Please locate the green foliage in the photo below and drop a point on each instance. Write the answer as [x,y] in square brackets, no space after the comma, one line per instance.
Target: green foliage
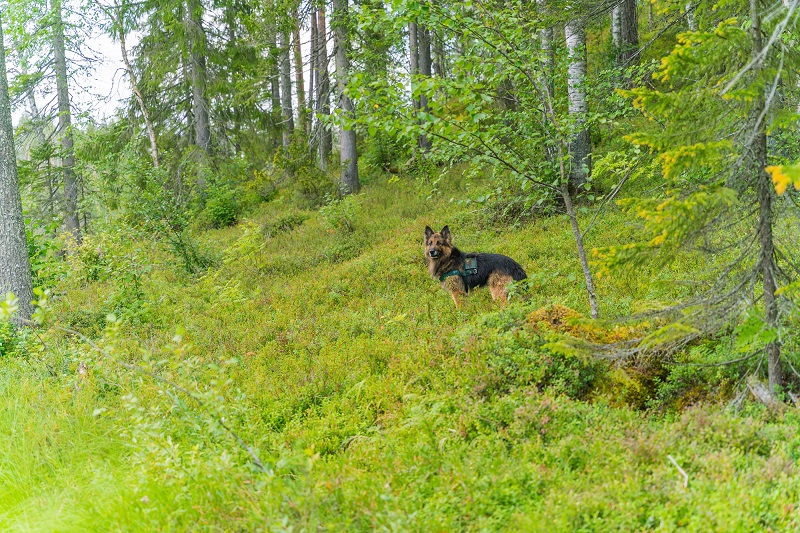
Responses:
[355,366]
[222,207]
[340,213]
[14,342]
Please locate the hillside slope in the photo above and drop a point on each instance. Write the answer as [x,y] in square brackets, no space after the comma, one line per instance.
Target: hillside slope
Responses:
[321,341]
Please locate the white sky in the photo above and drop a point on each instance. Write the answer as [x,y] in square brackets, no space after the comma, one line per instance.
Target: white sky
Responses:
[100,92]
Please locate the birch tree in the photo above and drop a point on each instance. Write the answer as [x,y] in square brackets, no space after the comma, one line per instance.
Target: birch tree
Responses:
[348,180]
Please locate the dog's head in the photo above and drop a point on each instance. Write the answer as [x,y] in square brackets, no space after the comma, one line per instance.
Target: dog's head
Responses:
[438,245]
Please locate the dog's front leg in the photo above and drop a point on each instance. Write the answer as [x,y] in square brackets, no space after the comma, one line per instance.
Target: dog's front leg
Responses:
[455,286]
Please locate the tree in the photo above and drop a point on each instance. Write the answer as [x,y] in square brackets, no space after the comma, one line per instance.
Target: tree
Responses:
[707,121]
[348,181]
[70,184]
[287,114]
[200,104]
[15,267]
[302,110]
[580,149]
[116,15]
[323,109]
[625,32]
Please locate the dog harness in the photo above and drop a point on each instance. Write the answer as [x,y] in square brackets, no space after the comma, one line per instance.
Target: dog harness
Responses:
[470,268]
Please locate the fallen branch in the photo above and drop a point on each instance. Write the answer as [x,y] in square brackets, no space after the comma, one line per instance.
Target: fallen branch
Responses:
[681,470]
[764,395]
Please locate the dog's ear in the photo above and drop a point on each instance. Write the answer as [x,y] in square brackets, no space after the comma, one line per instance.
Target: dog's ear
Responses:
[446,234]
[428,233]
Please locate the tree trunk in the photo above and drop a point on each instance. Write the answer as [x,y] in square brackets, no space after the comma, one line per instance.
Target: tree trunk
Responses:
[413,59]
[325,146]
[312,71]
[440,57]
[15,266]
[576,232]
[299,82]
[424,42]
[758,149]
[629,33]
[197,50]
[274,76]
[287,114]
[690,20]
[546,38]
[71,220]
[616,28]
[151,131]
[348,181]
[580,145]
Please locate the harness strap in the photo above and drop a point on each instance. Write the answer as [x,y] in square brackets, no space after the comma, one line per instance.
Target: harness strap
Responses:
[451,273]
[470,268]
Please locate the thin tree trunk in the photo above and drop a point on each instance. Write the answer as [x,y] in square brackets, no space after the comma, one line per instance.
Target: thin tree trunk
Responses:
[71,220]
[15,266]
[323,90]
[758,148]
[348,181]
[413,59]
[440,57]
[299,82]
[275,93]
[287,114]
[580,146]
[546,38]
[312,74]
[424,42]
[197,50]
[576,232]
[151,131]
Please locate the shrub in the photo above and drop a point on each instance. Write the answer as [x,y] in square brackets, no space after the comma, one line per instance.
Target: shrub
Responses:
[222,207]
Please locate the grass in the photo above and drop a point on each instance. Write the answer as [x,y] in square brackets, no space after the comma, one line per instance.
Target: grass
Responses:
[374,403]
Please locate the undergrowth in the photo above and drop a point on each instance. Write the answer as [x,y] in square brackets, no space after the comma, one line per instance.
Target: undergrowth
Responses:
[317,338]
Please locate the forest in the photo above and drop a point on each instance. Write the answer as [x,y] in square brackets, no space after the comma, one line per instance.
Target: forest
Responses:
[216,309]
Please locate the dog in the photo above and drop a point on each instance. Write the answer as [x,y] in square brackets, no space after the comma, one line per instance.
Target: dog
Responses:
[459,272]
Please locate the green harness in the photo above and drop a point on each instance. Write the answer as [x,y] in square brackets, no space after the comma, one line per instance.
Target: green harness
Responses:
[470,268]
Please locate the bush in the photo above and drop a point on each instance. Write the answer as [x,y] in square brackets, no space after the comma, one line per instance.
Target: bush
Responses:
[222,207]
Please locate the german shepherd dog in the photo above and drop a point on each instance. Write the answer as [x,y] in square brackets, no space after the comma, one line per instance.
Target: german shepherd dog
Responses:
[460,272]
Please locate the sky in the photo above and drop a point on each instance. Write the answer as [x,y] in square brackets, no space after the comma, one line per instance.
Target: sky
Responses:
[99,92]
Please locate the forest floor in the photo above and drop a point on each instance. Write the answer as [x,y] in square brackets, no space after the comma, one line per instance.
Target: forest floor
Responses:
[320,340]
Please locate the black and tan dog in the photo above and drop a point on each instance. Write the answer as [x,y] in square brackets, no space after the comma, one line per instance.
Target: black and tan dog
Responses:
[460,272]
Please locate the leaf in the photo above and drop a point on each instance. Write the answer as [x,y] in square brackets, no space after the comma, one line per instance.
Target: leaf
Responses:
[754,334]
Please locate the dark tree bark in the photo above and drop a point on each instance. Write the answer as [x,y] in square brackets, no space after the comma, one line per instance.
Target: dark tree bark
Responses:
[580,146]
[629,33]
[348,180]
[15,267]
[439,55]
[765,191]
[325,139]
[71,219]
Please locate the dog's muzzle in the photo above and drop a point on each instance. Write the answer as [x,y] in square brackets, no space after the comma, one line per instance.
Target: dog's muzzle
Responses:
[434,254]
